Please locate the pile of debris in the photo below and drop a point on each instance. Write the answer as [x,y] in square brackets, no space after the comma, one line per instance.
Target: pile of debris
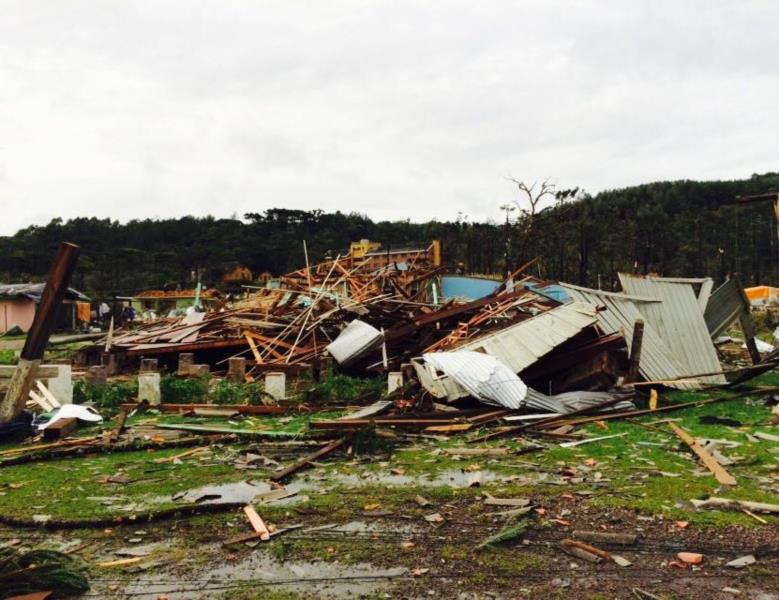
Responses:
[555,337]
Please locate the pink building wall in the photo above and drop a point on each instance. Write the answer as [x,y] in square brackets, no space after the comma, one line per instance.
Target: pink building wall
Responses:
[16,312]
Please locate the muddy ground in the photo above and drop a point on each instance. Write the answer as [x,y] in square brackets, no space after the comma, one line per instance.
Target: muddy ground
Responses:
[407,517]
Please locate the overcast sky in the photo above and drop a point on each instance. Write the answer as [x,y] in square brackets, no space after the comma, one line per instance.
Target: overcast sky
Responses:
[394,109]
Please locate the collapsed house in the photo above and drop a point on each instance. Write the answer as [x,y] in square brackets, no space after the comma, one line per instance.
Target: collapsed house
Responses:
[375,317]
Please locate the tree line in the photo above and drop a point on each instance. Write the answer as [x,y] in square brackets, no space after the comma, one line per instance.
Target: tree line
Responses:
[678,228]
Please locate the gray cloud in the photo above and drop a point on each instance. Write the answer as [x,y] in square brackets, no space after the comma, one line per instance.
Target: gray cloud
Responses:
[397,109]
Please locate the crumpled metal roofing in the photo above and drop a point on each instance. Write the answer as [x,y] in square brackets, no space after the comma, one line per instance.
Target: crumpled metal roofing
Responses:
[484,377]
[678,319]
[658,362]
[571,401]
[34,291]
[521,345]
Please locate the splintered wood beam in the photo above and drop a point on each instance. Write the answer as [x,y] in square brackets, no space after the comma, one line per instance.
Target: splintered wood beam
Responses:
[712,465]
[307,460]
[253,348]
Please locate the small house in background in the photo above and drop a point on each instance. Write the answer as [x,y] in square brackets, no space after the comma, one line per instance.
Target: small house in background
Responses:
[163,301]
[19,301]
[237,273]
[763,295]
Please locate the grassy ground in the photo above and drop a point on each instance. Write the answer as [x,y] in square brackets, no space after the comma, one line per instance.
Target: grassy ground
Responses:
[610,484]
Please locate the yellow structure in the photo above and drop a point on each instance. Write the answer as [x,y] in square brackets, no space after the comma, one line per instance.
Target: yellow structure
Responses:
[762,295]
[366,249]
[363,247]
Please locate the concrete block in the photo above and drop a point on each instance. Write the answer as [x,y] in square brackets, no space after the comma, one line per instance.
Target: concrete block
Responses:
[149,365]
[236,368]
[199,370]
[276,384]
[61,385]
[149,388]
[186,360]
[96,375]
[110,363]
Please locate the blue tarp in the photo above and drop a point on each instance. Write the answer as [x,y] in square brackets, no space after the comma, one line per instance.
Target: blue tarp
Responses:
[470,288]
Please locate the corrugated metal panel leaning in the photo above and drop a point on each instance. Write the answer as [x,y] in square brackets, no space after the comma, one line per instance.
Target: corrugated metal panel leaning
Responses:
[657,361]
[679,321]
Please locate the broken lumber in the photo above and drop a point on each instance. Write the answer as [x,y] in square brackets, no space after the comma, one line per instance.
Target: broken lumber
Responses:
[717,469]
[587,548]
[61,428]
[121,419]
[739,505]
[306,460]
[256,520]
[604,537]
[244,409]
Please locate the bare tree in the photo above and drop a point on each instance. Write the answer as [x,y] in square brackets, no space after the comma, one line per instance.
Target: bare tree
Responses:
[530,205]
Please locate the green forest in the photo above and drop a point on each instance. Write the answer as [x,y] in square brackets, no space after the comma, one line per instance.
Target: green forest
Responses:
[678,228]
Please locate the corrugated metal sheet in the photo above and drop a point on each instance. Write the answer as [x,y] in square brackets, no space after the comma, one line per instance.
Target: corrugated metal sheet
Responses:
[578,400]
[484,377]
[657,360]
[723,308]
[679,321]
[726,304]
[521,345]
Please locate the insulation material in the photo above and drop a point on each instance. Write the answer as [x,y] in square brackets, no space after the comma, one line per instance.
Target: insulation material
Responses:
[483,376]
[678,319]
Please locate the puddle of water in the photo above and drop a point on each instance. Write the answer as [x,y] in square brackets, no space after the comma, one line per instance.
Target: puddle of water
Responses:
[450,477]
[322,579]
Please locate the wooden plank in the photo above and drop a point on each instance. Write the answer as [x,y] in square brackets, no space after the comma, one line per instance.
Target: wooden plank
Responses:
[42,372]
[712,465]
[253,348]
[448,428]
[23,449]
[49,396]
[121,419]
[41,401]
[244,409]
[152,349]
[257,523]
[306,460]
[61,428]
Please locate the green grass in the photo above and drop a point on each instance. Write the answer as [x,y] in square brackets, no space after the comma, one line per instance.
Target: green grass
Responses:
[63,488]
[9,357]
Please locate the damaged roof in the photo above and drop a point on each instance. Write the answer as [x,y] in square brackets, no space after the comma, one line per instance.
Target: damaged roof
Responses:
[521,345]
[34,291]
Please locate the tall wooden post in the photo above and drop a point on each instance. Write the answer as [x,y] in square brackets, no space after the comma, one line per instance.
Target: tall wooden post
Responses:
[38,336]
[635,350]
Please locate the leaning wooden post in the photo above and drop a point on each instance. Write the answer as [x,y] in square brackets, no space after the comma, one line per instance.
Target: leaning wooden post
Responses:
[38,336]
[635,349]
